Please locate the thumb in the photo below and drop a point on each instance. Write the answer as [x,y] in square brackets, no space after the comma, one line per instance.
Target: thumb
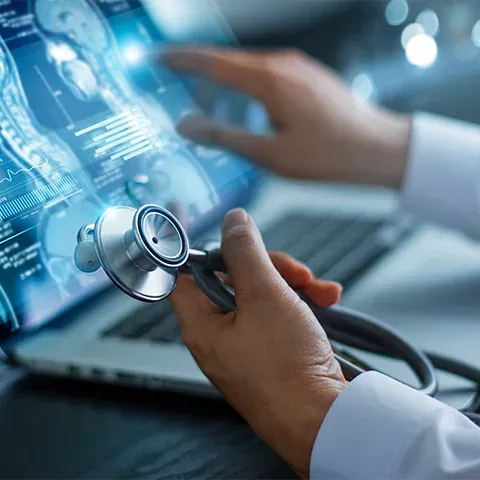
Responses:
[250,268]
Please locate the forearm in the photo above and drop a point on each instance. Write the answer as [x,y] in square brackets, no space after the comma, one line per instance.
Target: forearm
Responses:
[380,147]
[433,162]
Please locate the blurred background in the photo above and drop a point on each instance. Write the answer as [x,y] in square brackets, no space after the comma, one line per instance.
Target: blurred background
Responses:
[406,54]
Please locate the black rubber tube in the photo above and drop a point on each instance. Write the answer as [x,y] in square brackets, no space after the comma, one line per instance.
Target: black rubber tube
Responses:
[361,326]
[439,361]
[332,319]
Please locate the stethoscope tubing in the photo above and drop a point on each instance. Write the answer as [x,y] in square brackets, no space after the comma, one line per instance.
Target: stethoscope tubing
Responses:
[440,362]
[353,323]
[361,326]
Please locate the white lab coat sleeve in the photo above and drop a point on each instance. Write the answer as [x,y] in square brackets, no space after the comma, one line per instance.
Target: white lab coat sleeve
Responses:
[442,180]
[381,429]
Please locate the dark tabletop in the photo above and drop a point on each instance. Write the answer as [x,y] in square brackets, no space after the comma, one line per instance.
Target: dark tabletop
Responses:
[56,429]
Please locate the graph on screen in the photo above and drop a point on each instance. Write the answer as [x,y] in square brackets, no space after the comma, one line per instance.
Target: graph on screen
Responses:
[10,174]
[61,187]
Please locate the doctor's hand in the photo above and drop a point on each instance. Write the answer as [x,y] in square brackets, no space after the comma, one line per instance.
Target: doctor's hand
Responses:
[321,130]
[270,358]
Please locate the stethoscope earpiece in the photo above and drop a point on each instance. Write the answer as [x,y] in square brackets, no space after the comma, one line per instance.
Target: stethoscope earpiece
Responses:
[86,258]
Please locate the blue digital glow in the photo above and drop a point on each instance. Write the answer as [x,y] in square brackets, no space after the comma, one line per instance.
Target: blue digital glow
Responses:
[83,109]
[134,54]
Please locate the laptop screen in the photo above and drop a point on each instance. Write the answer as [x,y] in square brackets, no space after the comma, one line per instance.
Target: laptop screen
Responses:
[83,123]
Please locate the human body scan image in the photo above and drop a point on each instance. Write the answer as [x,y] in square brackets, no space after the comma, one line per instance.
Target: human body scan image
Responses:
[82,114]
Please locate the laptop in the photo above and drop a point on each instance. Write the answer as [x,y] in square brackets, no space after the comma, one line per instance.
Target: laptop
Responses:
[85,125]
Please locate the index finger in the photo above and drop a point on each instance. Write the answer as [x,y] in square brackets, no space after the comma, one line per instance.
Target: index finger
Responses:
[235,68]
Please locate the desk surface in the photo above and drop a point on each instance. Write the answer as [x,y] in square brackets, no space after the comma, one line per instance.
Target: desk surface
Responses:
[52,429]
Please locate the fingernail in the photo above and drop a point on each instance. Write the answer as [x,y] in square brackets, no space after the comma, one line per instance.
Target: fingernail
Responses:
[234,218]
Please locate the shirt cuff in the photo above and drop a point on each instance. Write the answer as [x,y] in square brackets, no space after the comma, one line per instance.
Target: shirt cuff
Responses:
[367,429]
[443,174]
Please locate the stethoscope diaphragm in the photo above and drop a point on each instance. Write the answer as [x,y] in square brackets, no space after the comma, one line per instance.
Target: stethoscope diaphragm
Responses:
[128,253]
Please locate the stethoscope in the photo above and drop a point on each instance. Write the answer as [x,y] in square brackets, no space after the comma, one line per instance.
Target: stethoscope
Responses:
[143,251]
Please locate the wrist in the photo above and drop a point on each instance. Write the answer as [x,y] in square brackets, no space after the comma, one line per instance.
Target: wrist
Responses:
[313,416]
[382,147]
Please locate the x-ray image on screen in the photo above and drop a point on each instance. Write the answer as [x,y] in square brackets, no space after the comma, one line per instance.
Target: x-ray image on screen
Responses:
[35,173]
[80,117]
[28,151]
[82,46]
[39,174]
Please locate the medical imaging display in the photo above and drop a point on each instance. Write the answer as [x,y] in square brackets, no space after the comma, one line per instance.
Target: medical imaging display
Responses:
[81,114]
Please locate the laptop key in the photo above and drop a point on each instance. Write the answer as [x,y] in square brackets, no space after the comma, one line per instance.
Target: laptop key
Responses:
[316,239]
[140,323]
[287,232]
[168,331]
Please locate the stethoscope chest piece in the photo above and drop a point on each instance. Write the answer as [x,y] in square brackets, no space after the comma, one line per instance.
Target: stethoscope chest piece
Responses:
[142,252]
[132,243]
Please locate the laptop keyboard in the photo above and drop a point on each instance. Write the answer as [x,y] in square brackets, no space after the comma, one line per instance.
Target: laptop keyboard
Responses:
[338,248]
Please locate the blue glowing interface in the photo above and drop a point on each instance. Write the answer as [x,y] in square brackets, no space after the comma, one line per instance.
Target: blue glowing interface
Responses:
[81,115]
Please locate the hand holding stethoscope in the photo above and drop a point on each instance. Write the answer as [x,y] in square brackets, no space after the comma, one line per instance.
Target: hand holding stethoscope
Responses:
[142,252]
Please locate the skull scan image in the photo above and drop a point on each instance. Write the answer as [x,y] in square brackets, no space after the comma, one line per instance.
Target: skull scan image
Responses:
[74,72]
[82,47]
[40,157]
[23,143]
[88,60]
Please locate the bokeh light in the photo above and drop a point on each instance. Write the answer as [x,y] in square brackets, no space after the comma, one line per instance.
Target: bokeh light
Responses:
[460,18]
[411,31]
[363,87]
[422,51]
[476,34]
[428,19]
[396,12]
